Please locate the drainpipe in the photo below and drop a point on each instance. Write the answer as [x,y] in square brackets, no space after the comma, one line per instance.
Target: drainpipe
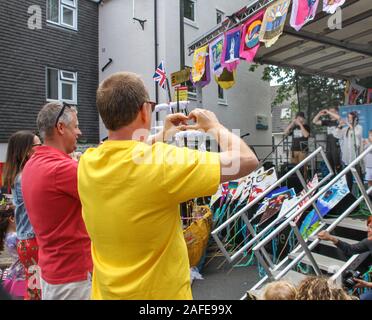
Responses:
[182,35]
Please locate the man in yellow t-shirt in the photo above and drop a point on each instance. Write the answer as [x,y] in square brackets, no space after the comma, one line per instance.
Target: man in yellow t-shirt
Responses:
[131,191]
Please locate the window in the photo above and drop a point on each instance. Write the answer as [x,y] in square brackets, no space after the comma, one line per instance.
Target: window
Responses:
[220,16]
[189,9]
[221,96]
[63,13]
[190,87]
[61,85]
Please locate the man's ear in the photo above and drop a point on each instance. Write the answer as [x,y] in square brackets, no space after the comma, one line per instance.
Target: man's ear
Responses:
[60,128]
[144,114]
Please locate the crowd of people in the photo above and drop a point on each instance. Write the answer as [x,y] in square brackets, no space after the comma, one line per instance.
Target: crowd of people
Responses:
[311,288]
[108,226]
[344,141]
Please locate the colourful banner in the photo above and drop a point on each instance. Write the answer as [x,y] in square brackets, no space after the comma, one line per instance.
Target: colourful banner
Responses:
[215,54]
[303,11]
[226,80]
[199,64]
[262,182]
[325,204]
[275,204]
[330,6]
[273,22]
[231,49]
[250,42]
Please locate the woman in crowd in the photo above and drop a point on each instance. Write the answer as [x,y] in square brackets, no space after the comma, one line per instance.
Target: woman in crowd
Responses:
[20,148]
[351,140]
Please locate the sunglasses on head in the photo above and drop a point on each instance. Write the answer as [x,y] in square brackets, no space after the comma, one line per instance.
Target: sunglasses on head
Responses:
[153,105]
[65,105]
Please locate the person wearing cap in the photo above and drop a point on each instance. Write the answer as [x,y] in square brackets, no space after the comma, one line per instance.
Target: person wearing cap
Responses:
[300,133]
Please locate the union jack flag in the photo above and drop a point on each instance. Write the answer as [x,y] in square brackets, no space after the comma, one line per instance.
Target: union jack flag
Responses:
[160,76]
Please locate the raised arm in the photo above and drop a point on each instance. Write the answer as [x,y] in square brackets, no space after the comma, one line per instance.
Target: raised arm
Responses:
[288,130]
[305,132]
[237,159]
[334,115]
[317,120]
[348,249]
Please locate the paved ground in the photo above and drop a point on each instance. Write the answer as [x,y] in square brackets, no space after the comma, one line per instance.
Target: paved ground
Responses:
[220,284]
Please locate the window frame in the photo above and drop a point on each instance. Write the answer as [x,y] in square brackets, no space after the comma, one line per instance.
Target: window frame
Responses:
[61,5]
[223,100]
[188,20]
[218,11]
[62,80]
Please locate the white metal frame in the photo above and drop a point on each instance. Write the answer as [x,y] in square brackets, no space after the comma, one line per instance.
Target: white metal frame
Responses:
[266,262]
[242,213]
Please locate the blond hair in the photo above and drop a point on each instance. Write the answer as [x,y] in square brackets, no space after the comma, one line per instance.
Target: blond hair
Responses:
[280,290]
[320,288]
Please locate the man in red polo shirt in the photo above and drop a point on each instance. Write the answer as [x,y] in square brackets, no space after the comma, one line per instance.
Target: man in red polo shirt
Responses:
[49,186]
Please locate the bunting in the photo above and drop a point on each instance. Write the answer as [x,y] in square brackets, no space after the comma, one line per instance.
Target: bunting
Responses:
[273,22]
[215,54]
[231,49]
[303,11]
[250,42]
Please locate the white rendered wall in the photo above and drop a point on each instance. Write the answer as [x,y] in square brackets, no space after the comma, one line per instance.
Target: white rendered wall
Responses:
[132,49]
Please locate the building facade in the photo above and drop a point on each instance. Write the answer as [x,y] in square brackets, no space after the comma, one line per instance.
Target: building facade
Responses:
[136,35]
[49,51]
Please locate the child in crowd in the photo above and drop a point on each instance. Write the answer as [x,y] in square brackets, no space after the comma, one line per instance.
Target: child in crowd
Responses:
[279,290]
[13,279]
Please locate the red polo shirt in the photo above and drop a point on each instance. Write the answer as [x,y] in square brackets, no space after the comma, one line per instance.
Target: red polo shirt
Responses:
[49,187]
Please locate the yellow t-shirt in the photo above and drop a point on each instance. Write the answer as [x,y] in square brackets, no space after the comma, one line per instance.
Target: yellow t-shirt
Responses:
[130,193]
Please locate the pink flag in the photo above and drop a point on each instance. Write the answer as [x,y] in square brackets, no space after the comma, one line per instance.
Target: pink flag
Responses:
[303,11]
[250,42]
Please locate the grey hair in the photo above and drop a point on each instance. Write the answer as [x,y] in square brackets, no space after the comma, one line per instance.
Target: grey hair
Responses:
[47,116]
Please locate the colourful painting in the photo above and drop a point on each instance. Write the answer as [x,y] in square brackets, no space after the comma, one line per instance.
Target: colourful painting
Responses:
[199,64]
[250,42]
[273,22]
[231,49]
[303,11]
[215,54]
[325,204]
[262,182]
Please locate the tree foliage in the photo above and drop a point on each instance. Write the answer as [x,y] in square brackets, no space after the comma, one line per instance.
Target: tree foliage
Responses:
[307,93]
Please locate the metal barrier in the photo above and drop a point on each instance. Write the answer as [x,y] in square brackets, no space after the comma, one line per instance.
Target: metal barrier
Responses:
[241,213]
[269,266]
